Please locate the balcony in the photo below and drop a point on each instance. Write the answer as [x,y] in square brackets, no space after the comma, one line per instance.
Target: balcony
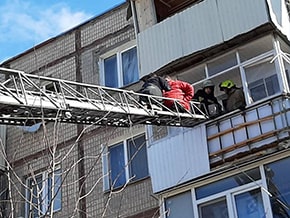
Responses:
[181,155]
[205,25]
[253,131]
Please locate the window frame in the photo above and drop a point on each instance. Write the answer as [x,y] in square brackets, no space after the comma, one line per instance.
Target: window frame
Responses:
[45,177]
[268,55]
[227,194]
[118,52]
[127,171]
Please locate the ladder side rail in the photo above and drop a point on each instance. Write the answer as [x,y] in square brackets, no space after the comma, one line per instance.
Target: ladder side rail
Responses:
[103,94]
[11,93]
[80,98]
[15,85]
[98,94]
[8,80]
[113,99]
[12,74]
[7,71]
[68,82]
[94,97]
[26,78]
[131,101]
[22,87]
[196,109]
[124,101]
[132,96]
[60,95]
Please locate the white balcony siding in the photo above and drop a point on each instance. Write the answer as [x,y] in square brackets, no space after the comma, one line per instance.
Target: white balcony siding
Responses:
[177,159]
[191,153]
[279,16]
[237,17]
[201,26]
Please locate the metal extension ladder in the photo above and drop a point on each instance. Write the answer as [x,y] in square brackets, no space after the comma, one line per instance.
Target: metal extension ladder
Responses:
[27,99]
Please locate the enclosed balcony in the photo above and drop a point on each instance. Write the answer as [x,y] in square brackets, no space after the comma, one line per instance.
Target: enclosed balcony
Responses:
[170,33]
[260,69]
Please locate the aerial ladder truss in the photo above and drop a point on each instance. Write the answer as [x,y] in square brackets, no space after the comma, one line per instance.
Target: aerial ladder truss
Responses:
[27,99]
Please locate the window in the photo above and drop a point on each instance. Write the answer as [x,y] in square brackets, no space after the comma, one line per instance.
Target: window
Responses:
[43,191]
[251,67]
[126,161]
[120,69]
[248,194]
[261,87]
[278,185]
[255,48]
[179,204]
[221,64]
[216,208]
[249,204]
[236,194]
[227,183]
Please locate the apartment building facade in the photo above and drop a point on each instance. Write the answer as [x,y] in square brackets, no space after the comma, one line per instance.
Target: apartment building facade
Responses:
[233,165]
[53,169]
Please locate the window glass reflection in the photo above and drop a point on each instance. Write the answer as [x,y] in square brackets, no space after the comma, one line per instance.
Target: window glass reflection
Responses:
[111,71]
[262,80]
[228,183]
[250,204]
[255,48]
[278,182]
[178,205]
[215,209]
[130,66]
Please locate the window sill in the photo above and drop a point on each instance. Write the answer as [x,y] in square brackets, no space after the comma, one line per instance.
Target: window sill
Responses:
[129,184]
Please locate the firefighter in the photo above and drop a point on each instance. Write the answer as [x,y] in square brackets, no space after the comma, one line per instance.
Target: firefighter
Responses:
[235,96]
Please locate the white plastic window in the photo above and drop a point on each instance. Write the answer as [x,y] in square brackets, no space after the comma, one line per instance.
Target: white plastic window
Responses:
[120,67]
[125,161]
[43,191]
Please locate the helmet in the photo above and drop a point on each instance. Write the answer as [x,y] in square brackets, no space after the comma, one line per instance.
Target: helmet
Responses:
[227,84]
[207,83]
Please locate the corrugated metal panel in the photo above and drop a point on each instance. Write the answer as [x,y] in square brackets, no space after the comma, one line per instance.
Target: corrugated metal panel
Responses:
[199,27]
[178,159]
[2,146]
[241,16]
[159,45]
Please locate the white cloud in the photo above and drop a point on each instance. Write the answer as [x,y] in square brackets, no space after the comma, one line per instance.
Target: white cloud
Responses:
[25,21]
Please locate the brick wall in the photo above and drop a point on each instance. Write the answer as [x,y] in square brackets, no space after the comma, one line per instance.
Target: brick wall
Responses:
[74,55]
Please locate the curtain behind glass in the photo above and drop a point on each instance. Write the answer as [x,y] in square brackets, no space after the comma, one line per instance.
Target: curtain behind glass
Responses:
[130,66]
[138,158]
[117,166]
[111,72]
[278,182]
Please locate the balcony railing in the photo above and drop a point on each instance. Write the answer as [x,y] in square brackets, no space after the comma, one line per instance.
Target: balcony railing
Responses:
[246,132]
[186,154]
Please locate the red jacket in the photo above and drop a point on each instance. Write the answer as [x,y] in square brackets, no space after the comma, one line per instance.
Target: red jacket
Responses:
[179,90]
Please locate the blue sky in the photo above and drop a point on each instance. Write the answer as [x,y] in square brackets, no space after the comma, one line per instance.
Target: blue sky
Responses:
[26,23]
